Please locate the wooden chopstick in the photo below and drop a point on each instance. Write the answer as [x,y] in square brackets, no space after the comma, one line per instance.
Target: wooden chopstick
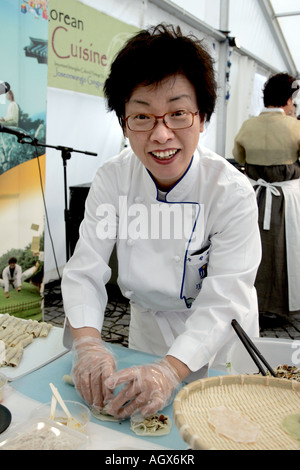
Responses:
[53,407]
[60,400]
[252,349]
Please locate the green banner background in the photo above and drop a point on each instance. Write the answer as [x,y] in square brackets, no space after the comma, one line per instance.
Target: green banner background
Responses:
[82,44]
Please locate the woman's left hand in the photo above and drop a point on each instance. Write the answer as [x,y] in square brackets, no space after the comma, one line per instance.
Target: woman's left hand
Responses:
[147,388]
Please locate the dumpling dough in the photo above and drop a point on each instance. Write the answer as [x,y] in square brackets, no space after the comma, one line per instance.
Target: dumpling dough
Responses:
[103,416]
[291,425]
[233,425]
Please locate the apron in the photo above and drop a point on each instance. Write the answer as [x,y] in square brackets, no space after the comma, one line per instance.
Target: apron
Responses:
[291,192]
[160,333]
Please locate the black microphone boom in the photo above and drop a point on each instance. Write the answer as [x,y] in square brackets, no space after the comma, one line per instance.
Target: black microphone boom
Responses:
[4,88]
[10,130]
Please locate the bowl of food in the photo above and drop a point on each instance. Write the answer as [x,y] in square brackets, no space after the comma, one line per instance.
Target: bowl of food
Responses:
[43,434]
[278,352]
[3,382]
[80,414]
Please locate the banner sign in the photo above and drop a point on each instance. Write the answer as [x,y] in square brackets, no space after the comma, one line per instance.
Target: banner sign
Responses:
[81,45]
[23,58]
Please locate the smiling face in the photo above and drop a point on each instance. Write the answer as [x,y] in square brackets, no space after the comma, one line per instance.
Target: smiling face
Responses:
[165,153]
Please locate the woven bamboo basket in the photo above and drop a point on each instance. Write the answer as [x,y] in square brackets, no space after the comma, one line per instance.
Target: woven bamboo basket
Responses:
[263,400]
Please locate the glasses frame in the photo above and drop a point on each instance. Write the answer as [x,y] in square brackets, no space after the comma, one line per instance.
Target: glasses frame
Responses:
[163,119]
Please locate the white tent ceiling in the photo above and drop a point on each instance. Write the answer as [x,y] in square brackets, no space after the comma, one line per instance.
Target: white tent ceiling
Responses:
[268,29]
[286,14]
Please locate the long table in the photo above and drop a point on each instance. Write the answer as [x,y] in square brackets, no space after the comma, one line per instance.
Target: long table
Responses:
[27,392]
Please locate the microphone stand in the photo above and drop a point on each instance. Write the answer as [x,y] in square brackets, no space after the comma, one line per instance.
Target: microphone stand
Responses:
[66,155]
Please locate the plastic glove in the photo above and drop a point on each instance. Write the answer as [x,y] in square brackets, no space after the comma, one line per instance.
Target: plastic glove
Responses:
[93,363]
[147,388]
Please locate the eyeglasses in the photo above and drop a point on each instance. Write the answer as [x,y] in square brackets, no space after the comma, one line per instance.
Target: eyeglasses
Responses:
[176,120]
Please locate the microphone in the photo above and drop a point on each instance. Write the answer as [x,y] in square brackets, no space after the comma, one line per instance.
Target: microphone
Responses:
[9,130]
[4,88]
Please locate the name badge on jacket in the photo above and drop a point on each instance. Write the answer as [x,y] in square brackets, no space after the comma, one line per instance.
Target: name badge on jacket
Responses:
[195,270]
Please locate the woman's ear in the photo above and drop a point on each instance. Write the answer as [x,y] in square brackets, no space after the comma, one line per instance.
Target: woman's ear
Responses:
[124,127]
[202,122]
[289,106]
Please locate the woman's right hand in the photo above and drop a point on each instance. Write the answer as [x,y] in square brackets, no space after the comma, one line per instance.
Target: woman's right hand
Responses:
[93,363]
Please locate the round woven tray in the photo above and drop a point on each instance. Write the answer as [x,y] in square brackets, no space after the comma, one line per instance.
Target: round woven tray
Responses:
[264,400]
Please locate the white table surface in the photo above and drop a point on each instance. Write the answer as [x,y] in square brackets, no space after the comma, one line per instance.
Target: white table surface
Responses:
[100,437]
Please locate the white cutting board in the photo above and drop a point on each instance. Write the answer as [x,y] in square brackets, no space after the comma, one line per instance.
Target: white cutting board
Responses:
[40,352]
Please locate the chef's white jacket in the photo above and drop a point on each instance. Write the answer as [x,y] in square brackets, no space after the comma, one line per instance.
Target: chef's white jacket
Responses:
[184,286]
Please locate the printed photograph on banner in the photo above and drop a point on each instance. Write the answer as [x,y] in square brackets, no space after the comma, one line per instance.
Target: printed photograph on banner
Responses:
[82,43]
[23,92]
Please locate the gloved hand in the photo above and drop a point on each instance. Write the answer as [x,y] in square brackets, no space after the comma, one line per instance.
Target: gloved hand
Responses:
[147,388]
[93,363]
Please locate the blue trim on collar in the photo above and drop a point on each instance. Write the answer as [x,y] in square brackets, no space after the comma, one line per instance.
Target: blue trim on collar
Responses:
[177,182]
[188,302]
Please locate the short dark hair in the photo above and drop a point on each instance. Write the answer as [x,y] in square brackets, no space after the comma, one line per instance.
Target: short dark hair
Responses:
[12,260]
[154,54]
[278,89]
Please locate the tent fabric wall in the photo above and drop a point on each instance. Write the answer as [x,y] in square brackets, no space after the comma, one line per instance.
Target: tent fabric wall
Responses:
[241,89]
[247,22]
[209,12]
[78,121]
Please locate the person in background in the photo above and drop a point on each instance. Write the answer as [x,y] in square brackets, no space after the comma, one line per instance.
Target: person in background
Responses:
[12,115]
[12,276]
[185,224]
[293,111]
[268,145]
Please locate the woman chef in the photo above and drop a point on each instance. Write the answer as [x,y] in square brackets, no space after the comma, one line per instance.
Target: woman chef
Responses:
[185,225]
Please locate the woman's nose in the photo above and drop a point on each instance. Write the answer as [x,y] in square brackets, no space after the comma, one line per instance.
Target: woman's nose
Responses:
[161,133]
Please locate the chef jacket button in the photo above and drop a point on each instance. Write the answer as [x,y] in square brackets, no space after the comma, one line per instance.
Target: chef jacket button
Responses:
[128,294]
[130,242]
[177,259]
